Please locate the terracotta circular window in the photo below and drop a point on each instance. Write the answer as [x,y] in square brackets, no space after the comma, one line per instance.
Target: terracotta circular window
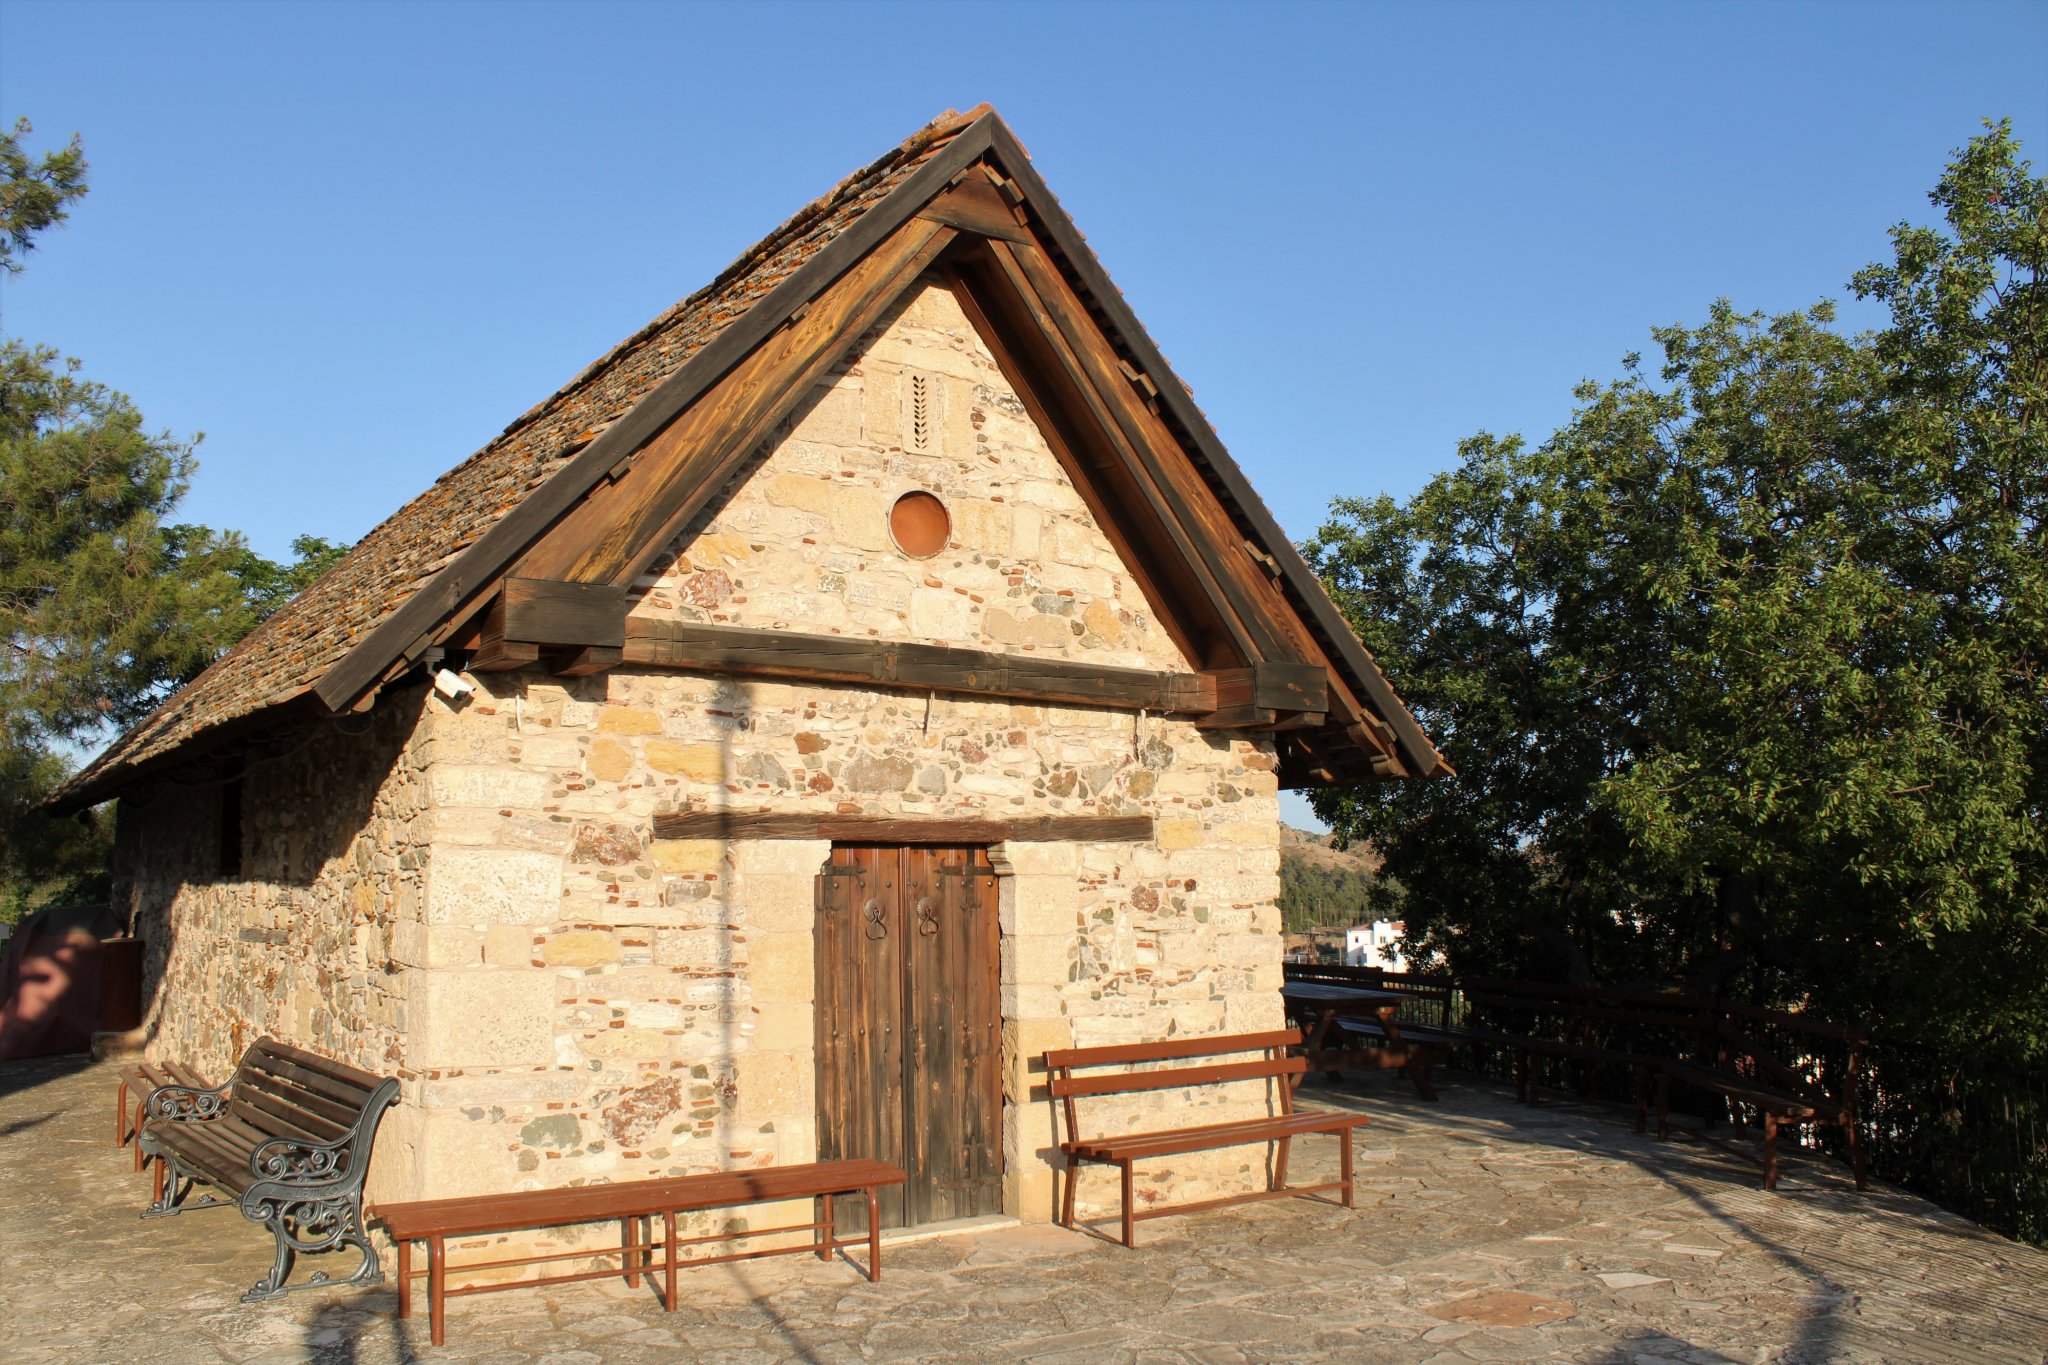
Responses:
[920,524]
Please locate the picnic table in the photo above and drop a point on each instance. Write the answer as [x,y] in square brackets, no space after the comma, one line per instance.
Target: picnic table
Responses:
[1354,1028]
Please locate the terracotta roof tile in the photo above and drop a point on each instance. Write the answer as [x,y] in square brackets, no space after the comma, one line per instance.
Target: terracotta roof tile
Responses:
[288,654]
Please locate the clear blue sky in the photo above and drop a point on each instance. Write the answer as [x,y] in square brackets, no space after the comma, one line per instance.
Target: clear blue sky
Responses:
[349,242]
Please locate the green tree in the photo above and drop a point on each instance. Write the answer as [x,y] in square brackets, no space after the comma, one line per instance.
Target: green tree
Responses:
[106,605]
[1742,668]
[34,194]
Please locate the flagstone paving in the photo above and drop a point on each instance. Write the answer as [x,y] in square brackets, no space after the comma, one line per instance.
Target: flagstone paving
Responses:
[1485,1231]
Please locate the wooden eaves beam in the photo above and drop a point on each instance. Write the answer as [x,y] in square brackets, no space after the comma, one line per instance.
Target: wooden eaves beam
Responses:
[912,667]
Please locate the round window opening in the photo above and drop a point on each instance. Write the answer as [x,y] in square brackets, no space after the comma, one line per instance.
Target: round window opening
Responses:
[920,524]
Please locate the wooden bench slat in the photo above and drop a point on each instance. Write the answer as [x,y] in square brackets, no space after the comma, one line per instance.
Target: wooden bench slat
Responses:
[1175,1078]
[313,1062]
[1172,1142]
[350,1088]
[1122,1150]
[291,1113]
[479,1214]
[436,1220]
[1170,1049]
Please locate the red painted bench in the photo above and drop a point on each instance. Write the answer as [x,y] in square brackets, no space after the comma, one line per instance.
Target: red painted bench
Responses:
[1137,1072]
[632,1203]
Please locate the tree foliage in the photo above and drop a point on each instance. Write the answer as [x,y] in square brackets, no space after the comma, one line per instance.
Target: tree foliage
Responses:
[106,604]
[1742,669]
[35,194]
[1318,897]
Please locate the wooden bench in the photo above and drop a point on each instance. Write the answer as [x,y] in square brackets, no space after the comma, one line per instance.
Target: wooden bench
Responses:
[137,1079]
[1137,1072]
[1749,1073]
[288,1140]
[632,1203]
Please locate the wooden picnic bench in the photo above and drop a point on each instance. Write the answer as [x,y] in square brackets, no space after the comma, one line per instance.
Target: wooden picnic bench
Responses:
[287,1140]
[1348,1028]
[1137,1071]
[1748,1072]
[1585,1025]
[1367,1018]
[633,1203]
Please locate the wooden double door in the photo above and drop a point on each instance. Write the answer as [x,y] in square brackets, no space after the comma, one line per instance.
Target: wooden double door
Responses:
[909,1021]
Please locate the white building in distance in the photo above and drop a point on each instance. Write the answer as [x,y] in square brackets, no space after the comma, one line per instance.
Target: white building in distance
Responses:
[1376,945]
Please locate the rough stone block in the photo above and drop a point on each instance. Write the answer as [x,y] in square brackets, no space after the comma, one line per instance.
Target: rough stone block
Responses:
[682,856]
[859,518]
[580,948]
[550,751]
[1046,959]
[782,969]
[1178,834]
[754,856]
[774,1085]
[780,903]
[1041,905]
[502,1088]
[492,787]
[1025,1043]
[834,416]
[783,1026]
[698,762]
[941,614]
[492,886]
[483,1016]
[629,720]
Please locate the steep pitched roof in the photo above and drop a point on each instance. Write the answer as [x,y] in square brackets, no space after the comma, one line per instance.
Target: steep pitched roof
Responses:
[378,609]
[291,652]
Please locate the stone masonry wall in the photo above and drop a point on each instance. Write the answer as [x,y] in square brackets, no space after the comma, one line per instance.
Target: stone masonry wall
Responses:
[598,1004]
[305,942]
[472,896]
[595,1004]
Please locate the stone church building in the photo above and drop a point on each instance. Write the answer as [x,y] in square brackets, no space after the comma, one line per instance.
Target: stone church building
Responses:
[869,675]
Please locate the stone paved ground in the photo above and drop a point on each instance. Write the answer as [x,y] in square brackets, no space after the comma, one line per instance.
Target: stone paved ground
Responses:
[1486,1232]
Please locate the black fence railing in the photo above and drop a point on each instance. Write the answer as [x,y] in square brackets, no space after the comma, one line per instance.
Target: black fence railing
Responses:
[1970,1136]
[1961,1132]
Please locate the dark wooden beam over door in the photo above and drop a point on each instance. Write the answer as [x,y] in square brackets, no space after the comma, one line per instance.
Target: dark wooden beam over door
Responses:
[886,829]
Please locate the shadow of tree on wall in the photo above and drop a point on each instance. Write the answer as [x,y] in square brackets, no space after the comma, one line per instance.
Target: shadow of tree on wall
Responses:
[302,800]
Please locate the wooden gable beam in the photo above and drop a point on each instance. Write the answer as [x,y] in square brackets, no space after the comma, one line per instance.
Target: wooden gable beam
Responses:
[1192,618]
[615,532]
[1050,222]
[972,204]
[1066,347]
[454,592]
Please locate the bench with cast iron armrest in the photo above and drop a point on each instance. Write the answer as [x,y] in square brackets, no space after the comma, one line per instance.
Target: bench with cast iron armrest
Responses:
[287,1141]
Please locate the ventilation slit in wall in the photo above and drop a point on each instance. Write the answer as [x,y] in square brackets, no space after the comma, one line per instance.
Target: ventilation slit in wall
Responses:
[920,414]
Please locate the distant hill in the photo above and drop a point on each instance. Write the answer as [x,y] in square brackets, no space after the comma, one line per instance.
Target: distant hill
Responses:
[1322,887]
